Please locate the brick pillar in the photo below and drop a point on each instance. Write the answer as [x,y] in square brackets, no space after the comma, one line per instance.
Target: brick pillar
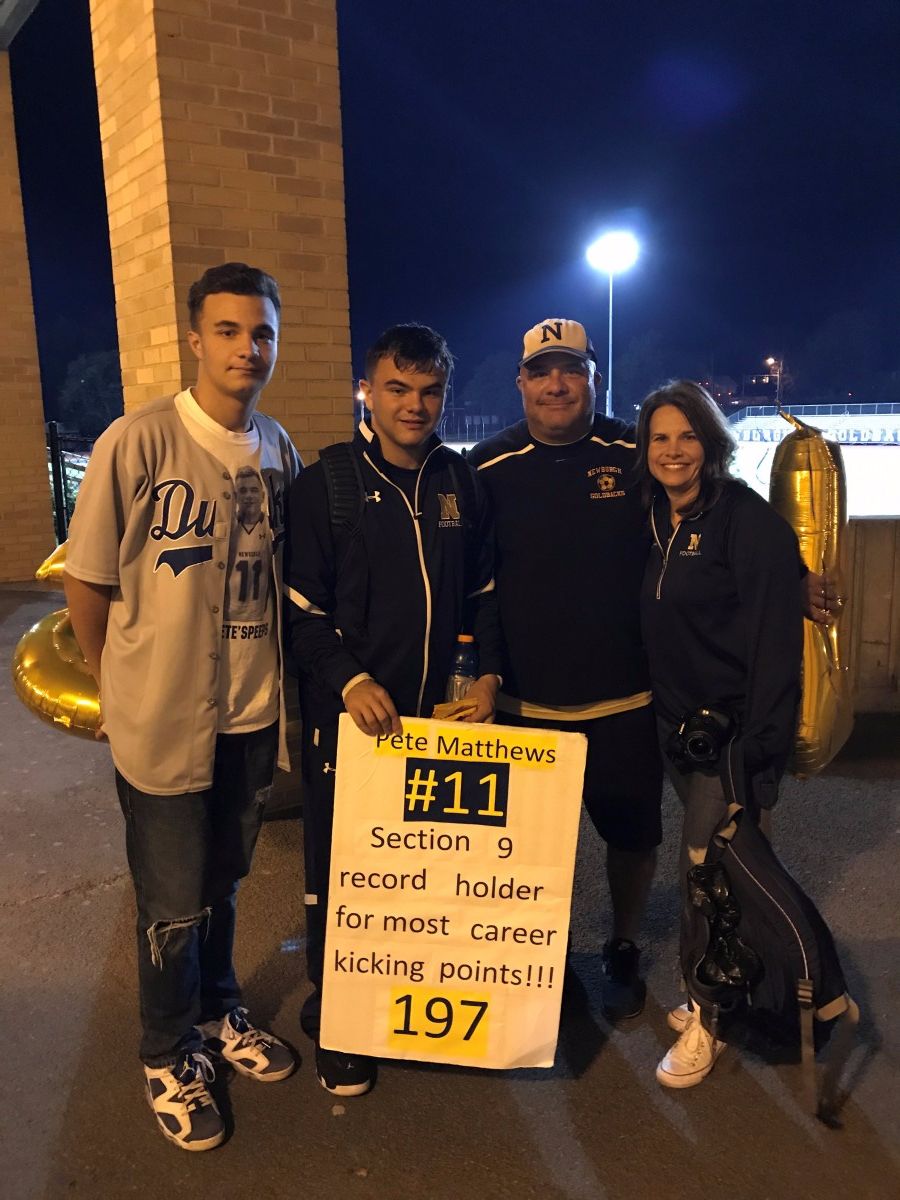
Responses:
[220,124]
[25,508]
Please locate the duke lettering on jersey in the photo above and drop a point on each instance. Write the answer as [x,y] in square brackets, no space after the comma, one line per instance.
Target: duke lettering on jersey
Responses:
[179,520]
[178,523]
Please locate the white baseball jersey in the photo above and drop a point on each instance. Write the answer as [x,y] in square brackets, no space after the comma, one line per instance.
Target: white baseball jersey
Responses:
[153,521]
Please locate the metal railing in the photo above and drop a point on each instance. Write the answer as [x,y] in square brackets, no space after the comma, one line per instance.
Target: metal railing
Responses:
[67,456]
[470,427]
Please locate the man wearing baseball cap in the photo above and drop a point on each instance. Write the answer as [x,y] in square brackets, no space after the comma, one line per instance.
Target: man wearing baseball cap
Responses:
[572,544]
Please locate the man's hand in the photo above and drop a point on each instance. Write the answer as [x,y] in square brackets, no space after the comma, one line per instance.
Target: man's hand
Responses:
[89,613]
[100,732]
[484,692]
[372,709]
[822,602]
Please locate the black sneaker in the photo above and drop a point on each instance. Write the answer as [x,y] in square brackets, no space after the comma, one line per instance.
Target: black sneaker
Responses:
[185,1111]
[622,991]
[344,1074]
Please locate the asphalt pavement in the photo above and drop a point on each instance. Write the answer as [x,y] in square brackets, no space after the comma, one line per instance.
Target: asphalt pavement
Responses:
[596,1126]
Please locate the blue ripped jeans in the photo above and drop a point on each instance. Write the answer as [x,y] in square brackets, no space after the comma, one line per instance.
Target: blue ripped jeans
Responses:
[186,854]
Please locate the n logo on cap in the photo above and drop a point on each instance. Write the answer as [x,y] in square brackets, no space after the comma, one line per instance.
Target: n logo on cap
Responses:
[548,331]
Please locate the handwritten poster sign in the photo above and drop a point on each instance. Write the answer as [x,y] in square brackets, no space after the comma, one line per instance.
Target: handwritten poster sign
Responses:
[450,889]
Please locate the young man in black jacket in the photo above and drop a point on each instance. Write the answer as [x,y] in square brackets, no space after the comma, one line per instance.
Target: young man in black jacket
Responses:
[572,543]
[378,599]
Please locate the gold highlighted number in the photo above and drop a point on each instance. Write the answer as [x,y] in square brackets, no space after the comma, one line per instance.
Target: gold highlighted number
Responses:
[456,806]
[489,781]
[422,790]
[491,810]
[452,1021]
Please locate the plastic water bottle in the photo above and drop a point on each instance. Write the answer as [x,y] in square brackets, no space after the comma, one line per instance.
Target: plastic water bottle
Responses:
[465,667]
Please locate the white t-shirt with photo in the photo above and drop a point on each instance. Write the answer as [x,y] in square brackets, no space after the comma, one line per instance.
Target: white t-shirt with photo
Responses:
[248,677]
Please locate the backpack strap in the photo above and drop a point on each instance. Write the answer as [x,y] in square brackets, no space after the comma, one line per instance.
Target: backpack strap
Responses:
[807,1043]
[344,487]
[842,1042]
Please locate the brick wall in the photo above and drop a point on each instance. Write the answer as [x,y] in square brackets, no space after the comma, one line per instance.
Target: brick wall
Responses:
[25,508]
[221,134]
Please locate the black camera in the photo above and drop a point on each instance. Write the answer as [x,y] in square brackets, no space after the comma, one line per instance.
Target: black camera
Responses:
[699,739]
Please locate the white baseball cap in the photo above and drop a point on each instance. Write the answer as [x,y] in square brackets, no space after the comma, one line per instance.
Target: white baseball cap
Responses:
[557,335]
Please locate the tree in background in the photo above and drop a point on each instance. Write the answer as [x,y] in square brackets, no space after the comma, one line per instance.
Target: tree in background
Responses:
[491,391]
[91,396]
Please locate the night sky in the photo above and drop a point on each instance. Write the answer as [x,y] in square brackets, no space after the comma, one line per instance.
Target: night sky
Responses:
[752,146]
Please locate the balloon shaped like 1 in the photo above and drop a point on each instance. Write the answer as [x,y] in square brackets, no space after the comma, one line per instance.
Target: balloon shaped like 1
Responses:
[808,488]
[52,679]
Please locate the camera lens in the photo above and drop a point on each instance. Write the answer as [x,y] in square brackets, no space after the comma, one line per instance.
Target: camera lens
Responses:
[700,746]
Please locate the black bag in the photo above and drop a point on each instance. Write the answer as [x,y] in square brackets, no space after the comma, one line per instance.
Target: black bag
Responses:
[753,942]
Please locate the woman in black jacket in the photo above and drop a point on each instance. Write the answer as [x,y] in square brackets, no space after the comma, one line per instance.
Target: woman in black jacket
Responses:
[722,624]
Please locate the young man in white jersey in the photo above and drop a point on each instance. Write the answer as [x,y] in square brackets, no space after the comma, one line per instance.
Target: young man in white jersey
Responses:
[173,580]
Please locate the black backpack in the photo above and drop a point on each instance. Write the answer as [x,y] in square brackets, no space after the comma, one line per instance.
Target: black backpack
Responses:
[754,945]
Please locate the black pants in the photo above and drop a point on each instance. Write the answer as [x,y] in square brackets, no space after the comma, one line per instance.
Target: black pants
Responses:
[319,769]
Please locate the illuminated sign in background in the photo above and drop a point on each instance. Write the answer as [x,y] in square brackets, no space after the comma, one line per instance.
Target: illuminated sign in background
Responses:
[870,447]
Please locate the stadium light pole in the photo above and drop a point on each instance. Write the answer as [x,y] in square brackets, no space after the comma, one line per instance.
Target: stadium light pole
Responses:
[612,253]
[776,366]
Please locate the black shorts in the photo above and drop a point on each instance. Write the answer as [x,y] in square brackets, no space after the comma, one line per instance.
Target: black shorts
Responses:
[623,776]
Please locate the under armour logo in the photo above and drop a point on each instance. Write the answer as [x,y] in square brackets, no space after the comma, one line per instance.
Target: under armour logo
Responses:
[376,496]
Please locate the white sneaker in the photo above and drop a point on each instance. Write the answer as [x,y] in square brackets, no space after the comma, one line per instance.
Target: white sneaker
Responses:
[252,1052]
[692,1057]
[184,1109]
[677,1018]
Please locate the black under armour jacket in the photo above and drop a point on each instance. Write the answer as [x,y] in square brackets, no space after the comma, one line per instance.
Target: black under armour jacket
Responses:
[721,610]
[390,598]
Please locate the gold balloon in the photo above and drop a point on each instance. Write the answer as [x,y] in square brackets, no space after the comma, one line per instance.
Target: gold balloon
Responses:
[52,678]
[808,487]
[49,672]
[51,569]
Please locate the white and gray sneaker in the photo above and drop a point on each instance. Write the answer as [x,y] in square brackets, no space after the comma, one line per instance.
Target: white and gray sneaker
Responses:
[677,1018]
[251,1051]
[692,1057]
[185,1111]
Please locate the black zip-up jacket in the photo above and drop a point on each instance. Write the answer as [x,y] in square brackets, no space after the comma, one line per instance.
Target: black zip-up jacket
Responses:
[391,599]
[721,611]
[572,544]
